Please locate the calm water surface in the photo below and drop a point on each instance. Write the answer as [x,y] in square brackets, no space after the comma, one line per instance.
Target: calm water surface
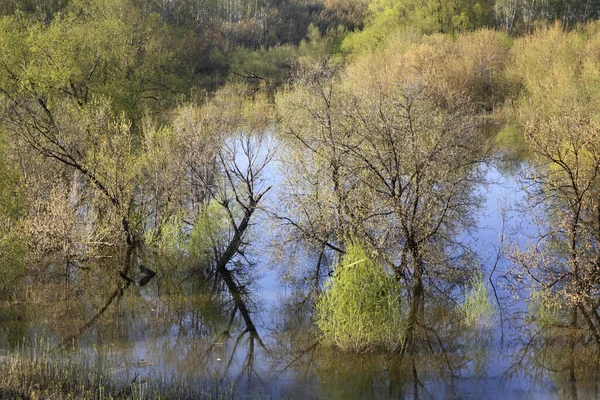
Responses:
[169,328]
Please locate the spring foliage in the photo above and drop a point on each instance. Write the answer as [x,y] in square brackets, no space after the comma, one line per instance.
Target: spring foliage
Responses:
[545,309]
[360,309]
[13,246]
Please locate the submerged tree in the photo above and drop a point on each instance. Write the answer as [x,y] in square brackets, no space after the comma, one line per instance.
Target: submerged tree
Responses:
[118,173]
[73,95]
[388,160]
[220,154]
[559,112]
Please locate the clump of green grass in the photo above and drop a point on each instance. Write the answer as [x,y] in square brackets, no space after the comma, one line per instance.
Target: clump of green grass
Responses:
[360,309]
[477,308]
[545,309]
[38,372]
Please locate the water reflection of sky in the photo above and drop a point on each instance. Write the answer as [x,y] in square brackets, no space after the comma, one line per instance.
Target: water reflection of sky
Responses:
[137,341]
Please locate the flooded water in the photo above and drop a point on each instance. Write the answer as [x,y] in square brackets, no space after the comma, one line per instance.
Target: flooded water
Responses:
[180,324]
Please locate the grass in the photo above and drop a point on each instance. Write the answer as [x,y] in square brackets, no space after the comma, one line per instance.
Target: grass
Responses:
[477,309]
[38,372]
[545,309]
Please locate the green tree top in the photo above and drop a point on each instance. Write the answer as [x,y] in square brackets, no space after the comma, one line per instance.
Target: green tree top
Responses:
[107,49]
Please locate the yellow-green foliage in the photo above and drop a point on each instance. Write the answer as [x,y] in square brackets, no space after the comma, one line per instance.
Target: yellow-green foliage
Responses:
[169,237]
[387,18]
[13,248]
[13,245]
[544,308]
[360,308]
[210,232]
[383,23]
[264,63]
[477,308]
[73,55]
[560,105]
[559,110]
[560,72]
[547,63]
[462,71]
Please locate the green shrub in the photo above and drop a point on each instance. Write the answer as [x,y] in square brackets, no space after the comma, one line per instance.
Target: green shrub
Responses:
[174,238]
[210,231]
[360,309]
[169,238]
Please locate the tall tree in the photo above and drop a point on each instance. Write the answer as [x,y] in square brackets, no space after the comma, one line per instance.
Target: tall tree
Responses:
[559,114]
[387,163]
[73,93]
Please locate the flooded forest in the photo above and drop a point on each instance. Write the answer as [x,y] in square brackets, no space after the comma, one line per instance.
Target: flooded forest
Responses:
[299,199]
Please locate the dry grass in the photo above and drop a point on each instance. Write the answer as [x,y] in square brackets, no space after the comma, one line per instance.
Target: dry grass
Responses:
[38,372]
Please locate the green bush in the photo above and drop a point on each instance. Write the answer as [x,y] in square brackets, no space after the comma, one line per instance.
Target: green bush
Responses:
[360,309]
[169,238]
[210,231]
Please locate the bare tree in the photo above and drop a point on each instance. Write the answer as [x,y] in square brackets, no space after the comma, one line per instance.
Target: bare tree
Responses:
[388,164]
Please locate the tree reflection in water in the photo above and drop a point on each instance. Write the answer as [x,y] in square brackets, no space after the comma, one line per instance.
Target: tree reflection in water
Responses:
[200,321]
[181,317]
[444,352]
[185,321]
[195,317]
[565,357]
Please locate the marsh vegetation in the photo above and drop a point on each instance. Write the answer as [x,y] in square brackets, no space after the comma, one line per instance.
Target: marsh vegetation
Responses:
[295,199]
